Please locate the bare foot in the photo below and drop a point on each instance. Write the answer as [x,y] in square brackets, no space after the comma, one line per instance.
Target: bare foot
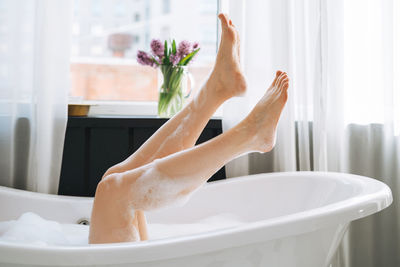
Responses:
[227,72]
[263,119]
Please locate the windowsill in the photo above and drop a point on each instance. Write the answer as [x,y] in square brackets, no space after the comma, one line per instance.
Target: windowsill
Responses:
[127,108]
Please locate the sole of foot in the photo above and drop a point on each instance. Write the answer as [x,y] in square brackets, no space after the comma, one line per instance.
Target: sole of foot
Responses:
[263,120]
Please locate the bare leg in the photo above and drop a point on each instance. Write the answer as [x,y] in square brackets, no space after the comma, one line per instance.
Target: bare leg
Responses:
[182,131]
[165,180]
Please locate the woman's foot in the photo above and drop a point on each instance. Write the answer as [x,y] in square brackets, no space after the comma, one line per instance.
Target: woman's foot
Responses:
[227,79]
[263,119]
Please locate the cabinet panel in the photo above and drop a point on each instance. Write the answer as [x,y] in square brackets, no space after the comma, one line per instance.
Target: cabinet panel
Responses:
[108,146]
[140,135]
[72,178]
[93,144]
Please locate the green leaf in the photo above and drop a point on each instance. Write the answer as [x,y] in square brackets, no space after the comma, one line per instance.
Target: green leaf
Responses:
[166,55]
[184,61]
[173,47]
[165,49]
[155,61]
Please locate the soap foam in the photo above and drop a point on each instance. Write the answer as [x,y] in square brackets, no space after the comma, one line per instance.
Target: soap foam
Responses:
[31,229]
[154,189]
[177,137]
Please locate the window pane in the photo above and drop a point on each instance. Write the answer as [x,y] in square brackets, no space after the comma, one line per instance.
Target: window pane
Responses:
[106,35]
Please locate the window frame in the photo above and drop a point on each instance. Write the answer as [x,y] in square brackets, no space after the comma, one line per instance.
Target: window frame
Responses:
[149,108]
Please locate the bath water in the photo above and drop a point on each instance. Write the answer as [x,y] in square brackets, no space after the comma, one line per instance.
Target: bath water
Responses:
[32,229]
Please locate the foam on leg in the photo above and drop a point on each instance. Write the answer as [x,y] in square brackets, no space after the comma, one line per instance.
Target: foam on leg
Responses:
[177,137]
[154,189]
[124,234]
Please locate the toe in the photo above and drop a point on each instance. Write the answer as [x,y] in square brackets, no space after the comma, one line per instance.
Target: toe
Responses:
[283,81]
[284,95]
[224,19]
[227,30]
[276,78]
[285,85]
[277,75]
[280,78]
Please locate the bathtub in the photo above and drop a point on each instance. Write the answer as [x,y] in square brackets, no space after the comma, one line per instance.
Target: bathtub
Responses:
[291,219]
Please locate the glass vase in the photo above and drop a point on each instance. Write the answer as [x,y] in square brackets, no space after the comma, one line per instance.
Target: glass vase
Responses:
[173,90]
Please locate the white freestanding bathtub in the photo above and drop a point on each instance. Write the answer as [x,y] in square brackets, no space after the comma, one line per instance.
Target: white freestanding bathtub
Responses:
[291,219]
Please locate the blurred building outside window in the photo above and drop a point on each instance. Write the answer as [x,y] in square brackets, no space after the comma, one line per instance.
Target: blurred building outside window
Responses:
[106,35]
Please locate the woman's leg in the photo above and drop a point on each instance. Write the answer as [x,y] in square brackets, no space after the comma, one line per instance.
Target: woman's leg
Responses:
[165,180]
[182,131]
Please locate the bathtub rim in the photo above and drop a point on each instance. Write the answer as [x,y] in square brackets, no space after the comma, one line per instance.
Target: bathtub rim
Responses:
[293,224]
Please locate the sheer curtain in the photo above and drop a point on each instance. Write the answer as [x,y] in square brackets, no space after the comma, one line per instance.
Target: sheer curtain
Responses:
[34,83]
[343,112]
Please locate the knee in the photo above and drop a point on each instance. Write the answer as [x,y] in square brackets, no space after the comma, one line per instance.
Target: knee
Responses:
[108,183]
[112,170]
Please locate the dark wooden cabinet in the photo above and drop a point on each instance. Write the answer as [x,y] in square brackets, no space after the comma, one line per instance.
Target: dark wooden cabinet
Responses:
[93,144]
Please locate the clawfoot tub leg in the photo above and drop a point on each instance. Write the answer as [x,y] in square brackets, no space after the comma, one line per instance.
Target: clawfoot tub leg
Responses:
[182,131]
[171,178]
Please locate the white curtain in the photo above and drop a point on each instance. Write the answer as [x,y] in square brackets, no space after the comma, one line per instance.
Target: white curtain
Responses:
[34,84]
[343,112]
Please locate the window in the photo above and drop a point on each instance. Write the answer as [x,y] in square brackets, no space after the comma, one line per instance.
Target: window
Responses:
[75,29]
[96,50]
[3,71]
[106,35]
[74,50]
[367,50]
[166,6]
[136,39]
[119,9]
[97,8]
[96,30]
[3,48]
[136,17]
[3,28]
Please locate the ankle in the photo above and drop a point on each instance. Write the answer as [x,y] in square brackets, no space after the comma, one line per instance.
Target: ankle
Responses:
[261,138]
[246,134]
[207,97]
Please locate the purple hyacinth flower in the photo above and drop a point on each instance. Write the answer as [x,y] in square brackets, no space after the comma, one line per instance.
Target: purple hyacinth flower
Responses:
[159,60]
[157,48]
[184,48]
[195,45]
[144,59]
[174,59]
